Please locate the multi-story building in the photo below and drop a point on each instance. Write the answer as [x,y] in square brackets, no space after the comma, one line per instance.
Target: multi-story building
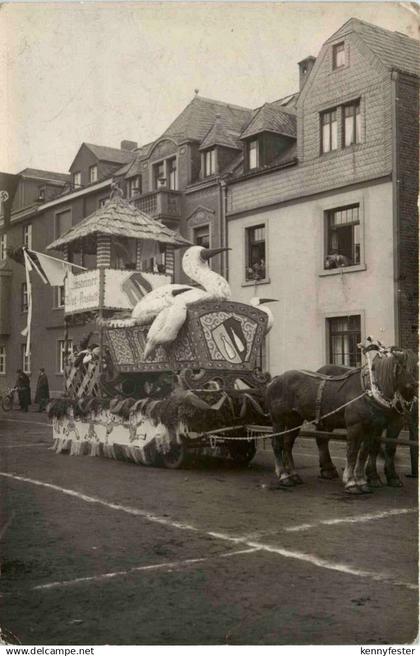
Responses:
[315,193]
[322,214]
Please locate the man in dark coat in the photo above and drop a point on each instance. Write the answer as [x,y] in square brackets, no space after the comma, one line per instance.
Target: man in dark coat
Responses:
[42,390]
[23,385]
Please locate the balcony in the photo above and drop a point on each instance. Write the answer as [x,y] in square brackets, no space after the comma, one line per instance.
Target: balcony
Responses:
[163,205]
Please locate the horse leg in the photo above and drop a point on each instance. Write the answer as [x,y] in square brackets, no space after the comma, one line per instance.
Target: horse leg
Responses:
[373,478]
[393,430]
[326,465]
[283,478]
[288,455]
[360,469]
[354,439]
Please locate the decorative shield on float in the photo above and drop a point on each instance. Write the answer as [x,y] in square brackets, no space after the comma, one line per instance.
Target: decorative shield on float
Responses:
[217,335]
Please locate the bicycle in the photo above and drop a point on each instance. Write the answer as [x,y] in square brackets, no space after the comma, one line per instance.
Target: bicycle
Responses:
[7,401]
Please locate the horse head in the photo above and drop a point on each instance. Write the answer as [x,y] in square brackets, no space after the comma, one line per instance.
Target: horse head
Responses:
[396,373]
[406,372]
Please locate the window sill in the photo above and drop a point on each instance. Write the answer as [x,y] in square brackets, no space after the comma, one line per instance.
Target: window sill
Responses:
[253,283]
[341,270]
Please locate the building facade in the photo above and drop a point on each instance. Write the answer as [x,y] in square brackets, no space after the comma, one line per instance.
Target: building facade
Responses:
[315,193]
[332,233]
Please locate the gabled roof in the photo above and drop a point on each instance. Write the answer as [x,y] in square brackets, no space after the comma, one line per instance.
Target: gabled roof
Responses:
[118,218]
[107,154]
[45,175]
[220,135]
[198,117]
[396,51]
[272,117]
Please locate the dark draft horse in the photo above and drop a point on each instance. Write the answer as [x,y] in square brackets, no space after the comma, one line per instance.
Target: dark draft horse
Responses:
[293,397]
[395,422]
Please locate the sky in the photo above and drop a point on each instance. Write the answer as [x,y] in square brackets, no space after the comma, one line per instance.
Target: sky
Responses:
[104,72]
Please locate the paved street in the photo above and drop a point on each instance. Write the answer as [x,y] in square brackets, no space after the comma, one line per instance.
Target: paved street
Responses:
[96,551]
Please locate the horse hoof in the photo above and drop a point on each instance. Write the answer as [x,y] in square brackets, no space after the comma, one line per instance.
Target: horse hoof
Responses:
[394,482]
[353,489]
[375,482]
[296,479]
[328,474]
[365,489]
[286,482]
[277,484]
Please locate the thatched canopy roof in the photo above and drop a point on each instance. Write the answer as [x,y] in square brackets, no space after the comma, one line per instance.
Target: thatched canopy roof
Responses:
[118,218]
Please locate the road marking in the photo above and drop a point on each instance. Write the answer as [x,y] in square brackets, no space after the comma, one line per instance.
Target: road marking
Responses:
[25,421]
[113,506]
[21,446]
[285,553]
[171,566]
[351,520]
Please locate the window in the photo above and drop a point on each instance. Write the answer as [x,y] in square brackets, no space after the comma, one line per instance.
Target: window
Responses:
[209,162]
[329,131]
[134,186]
[2,359]
[339,55]
[27,235]
[58,296]
[343,237]
[102,201]
[253,154]
[62,353]
[93,173]
[26,360]
[255,253]
[159,179]
[171,171]
[63,222]
[201,236]
[77,179]
[24,297]
[351,124]
[344,335]
[3,247]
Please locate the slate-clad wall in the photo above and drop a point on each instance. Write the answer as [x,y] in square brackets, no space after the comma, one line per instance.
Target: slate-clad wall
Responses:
[408,189]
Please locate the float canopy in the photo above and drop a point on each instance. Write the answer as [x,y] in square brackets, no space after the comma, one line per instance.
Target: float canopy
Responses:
[117,218]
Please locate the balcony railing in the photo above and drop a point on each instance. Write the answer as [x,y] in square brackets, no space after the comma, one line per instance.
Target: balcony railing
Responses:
[162,204]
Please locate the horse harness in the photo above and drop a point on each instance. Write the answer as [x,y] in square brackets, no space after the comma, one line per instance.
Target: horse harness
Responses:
[323,379]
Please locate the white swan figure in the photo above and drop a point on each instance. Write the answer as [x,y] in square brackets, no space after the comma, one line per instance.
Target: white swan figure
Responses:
[260,303]
[170,319]
[195,265]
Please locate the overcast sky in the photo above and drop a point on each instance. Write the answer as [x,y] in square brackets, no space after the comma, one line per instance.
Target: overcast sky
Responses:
[95,72]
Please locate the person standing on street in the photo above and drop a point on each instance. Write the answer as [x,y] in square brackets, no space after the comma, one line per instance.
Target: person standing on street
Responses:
[42,390]
[23,386]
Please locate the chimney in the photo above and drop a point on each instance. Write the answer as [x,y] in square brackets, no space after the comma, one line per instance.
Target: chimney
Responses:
[128,145]
[305,67]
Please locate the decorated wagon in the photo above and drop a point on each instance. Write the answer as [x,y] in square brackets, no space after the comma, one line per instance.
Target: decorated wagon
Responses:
[155,403]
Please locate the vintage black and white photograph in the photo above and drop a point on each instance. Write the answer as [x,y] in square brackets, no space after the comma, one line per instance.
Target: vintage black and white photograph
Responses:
[209,323]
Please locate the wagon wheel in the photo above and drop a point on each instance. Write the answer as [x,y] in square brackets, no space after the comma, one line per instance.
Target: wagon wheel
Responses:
[242,451]
[176,457]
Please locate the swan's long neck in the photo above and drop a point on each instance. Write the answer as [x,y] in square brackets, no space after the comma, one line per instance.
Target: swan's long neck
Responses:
[212,282]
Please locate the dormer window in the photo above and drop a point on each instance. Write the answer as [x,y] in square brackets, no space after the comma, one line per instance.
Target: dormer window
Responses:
[77,179]
[339,55]
[351,124]
[134,186]
[209,162]
[253,155]
[93,173]
[329,131]
[171,173]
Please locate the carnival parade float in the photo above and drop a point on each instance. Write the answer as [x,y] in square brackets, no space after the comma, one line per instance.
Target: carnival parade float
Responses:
[170,369]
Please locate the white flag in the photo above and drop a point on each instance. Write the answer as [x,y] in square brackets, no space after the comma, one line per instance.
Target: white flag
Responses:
[51,269]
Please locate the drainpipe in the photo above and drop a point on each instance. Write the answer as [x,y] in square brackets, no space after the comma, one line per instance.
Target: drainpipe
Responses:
[395,202]
[223,227]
